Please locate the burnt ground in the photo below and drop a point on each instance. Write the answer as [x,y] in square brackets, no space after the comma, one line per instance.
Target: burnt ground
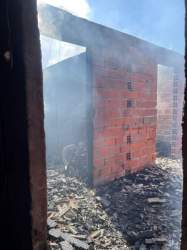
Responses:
[139,211]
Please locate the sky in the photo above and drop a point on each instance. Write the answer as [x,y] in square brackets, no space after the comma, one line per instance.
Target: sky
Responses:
[158,21]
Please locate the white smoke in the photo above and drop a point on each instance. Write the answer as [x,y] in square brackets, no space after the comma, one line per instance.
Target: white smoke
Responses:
[54,51]
[79,8]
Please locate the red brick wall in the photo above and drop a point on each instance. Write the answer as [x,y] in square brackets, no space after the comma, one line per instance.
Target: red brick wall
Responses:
[112,53]
[124,137]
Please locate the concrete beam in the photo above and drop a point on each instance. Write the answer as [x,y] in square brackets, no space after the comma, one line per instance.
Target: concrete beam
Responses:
[61,25]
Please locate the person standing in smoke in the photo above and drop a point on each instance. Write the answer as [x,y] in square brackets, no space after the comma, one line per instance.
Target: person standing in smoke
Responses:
[74,158]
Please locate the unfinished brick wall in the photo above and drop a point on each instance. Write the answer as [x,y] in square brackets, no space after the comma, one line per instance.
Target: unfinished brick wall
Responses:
[124,89]
[123,80]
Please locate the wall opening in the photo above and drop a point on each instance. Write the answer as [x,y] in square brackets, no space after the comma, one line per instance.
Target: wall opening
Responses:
[165,79]
[170,92]
[65,83]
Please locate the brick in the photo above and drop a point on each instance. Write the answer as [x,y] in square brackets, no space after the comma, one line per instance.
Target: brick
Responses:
[114,121]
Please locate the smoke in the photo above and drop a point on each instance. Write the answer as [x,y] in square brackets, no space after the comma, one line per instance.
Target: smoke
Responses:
[79,8]
[54,51]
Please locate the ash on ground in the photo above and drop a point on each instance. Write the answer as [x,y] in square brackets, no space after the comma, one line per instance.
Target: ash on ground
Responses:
[139,211]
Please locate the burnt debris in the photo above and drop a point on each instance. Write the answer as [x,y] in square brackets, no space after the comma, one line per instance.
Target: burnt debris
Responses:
[139,211]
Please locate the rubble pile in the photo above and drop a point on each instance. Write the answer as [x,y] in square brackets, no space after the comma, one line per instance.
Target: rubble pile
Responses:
[75,210]
[139,211]
[146,206]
